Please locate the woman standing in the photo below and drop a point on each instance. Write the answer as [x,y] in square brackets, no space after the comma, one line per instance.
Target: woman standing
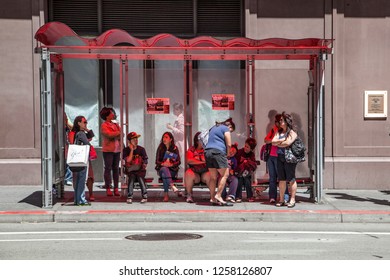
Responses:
[217,152]
[272,163]
[80,173]
[286,170]
[111,148]
[90,174]
[167,163]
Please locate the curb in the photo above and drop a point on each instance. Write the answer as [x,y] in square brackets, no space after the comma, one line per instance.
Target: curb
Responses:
[128,215]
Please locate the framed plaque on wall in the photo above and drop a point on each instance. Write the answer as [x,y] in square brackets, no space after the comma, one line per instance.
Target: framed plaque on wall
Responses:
[375,104]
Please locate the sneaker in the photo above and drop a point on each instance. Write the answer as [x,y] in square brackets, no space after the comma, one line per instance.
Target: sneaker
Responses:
[116,192]
[91,198]
[144,200]
[238,200]
[69,183]
[129,201]
[251,199]
[108,191]
[84,204]
[189,199]
[272,201]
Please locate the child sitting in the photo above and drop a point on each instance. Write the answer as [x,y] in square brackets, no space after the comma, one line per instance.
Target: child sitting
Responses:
[135,161]
[246,161]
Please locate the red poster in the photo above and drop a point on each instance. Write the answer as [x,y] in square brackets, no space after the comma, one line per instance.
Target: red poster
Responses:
[223,101]
[157,105]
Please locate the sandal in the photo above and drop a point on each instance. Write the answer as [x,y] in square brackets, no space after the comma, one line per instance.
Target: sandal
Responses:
[280,204]
[291,204]
[214,203]
[225,203]
[177,191]
[230,199]
[221,202]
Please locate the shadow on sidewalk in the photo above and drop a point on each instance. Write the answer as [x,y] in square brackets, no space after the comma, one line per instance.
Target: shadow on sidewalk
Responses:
[34,199]
[345,196]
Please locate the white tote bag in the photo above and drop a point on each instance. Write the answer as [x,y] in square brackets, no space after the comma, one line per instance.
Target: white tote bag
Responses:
[78,155]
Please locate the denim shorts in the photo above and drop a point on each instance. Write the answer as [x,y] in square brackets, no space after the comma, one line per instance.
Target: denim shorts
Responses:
[216,159]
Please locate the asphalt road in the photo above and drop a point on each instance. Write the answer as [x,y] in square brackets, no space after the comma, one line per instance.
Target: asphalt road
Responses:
[194,241]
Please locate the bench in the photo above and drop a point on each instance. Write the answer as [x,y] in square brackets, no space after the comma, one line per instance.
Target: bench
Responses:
[305,182]
[260,186]
[149,184]
[148,180]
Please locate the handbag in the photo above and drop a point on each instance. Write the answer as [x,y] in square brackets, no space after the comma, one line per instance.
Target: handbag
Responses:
[289,156]
[265,152]
[246,169]
[295,152]
[78,155]
[203,137]
[92,153]
[298,148]
[135,164]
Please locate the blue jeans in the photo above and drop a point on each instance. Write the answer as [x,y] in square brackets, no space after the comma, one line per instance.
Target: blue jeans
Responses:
[111,163]
[134,177]
[68,174]
[166,175]
[272,165]
[79,186]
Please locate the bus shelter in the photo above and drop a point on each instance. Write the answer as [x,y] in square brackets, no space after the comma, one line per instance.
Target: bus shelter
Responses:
[118,45]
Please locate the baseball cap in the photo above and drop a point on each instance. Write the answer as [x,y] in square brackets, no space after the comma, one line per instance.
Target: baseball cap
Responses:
[132,135]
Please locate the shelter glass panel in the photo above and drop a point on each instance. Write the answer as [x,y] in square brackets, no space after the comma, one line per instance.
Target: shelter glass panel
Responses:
[225,78]
[149,80]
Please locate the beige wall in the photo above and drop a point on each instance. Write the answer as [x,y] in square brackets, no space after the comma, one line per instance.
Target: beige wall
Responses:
[361,147]
[19,94]
[357,150]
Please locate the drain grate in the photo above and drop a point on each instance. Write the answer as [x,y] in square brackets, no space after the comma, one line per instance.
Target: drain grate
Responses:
[163,236]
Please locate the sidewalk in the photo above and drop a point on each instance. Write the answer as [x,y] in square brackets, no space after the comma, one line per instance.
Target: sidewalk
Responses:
[24,204]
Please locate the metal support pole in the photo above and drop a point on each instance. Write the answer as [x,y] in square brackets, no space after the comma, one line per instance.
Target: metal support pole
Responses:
[188,107]
[250,100]
[319,130]
[126,97]
[46,131]
[123,89]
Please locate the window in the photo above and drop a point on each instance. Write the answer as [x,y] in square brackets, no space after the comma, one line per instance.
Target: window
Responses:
[146,18]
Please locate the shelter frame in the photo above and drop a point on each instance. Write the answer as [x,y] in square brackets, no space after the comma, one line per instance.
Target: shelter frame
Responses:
[315,51]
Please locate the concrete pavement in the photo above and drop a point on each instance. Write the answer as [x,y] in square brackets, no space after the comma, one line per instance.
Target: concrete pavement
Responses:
[24,204]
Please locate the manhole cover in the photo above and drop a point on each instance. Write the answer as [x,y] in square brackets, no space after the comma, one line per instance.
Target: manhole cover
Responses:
[163,236]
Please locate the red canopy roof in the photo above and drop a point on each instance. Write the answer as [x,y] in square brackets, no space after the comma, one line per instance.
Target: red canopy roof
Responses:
[116,42]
